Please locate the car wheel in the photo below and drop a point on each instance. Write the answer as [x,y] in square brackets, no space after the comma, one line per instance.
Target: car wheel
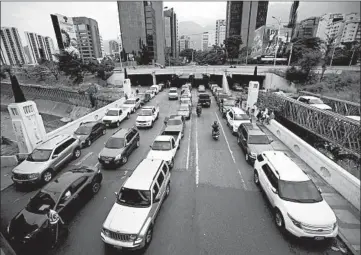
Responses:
[95,187]
[247,158]
[124,160]
[279,219]
[118,124]
[138,143]
[151,125]
[128,116]
[256,177]
[104,132]
[47,176]
[148,236]
[77,153]
[167,190]
[238,140]
[89,143]
[171,165]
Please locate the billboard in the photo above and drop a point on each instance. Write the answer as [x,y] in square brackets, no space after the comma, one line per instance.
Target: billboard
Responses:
[265,42]
[65,33]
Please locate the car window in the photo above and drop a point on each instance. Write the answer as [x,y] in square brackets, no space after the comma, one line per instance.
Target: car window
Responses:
[244,132]
[66,196]
[134,198]
[83,130]
[160,178]
[63,146]
[155,190]
[165,169]
[270,176]
[115,143]
[173,143]
[230,115]
[78,183]
[112,113]
[41,201]
[129,137]
[301,192]
[260,157]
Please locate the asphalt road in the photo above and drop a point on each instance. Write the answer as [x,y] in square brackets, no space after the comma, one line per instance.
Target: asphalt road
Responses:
[213,208]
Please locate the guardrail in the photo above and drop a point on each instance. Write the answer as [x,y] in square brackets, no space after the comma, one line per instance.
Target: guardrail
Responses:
[332,127]
[340,106]
[341,180]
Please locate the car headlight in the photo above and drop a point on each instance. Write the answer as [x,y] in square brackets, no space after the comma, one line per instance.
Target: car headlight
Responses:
[253,155]
[106,232]
[133,237]
[295,222]
[118,157]
[334,225]
[31,176]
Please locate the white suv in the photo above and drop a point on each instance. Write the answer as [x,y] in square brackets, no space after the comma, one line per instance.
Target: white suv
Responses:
[296,201]
[235,117]
[130,222]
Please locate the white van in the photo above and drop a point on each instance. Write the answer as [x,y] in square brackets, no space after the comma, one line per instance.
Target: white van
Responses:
[130,222]
[155,88]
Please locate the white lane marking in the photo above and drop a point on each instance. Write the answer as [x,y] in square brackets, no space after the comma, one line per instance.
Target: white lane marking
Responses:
[189,143]
[83,158]
[231,152]
[197,168]
[125,172]
[97,164]
[123,177]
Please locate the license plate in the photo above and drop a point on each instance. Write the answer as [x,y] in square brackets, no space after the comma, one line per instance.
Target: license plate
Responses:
[319,238]
[106,161]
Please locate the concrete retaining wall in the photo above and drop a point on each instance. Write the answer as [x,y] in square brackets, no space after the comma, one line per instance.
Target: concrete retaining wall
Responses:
[93,116]
[9,161]
[341,180]
[273,81]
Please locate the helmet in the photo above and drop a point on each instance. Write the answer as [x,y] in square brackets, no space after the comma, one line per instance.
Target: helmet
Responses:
[215,122]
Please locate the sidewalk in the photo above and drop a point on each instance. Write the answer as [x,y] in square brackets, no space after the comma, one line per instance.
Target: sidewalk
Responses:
[348,216]
[6,177]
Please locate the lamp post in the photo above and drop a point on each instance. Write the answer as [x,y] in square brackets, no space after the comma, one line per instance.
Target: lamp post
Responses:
[289,58]
[279,30]
[353,52]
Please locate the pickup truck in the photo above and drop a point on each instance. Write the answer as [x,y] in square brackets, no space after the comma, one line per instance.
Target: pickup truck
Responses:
[175,123]
[147,116]
[165,147]
[115,116]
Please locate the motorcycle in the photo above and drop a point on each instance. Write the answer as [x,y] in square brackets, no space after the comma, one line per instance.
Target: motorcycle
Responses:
[215,134]
[199,111]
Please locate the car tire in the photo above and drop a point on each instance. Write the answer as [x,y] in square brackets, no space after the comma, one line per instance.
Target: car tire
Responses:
[118,124]
[148,237]
[89,143]
[151,125]
[95,187]
[124,160]
[280,223]
[128,116]
[167,190]
[138,143]
[104,132]
[76,153]
[47,176]
[171,165]
[256,177]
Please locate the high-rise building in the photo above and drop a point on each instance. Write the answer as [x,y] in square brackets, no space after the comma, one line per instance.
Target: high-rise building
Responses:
[171,32]
[28,55]
[205,41]
[220,31]
[13,48]
[292,20]
[102,47]
[113,47]
[307,27]
[244,17]
[211,39]
[326,23]
[184,43]
[139,23]
[3,55]
[40,47]
[88,37]
[352,30]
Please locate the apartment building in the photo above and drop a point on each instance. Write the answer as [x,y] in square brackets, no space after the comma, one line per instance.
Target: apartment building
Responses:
[12,52]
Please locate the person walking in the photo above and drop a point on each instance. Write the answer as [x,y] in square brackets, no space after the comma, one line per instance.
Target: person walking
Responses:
[54,223]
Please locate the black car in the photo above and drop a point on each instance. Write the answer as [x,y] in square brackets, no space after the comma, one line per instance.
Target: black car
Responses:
[88,132]
[204,99]
[119,147]
[29,229]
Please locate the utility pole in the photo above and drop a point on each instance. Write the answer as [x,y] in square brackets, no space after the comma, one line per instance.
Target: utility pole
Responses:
[353,52]
[249,21]
[279,30]
[289,58]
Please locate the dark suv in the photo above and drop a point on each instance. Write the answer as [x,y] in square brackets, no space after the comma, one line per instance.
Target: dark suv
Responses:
[253,141]
[204,99]
[88,132]
[119,147]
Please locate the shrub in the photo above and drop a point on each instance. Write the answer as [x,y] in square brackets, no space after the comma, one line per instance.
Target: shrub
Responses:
[296,75]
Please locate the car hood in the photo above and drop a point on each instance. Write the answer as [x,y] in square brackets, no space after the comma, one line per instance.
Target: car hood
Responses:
[164,155]
[110,117]
[259,148]
[173,93]
[112,153]
[124,219]
[322,106]
[28,167]
[82,138]
[183,113]
[128,105]
[236,123]
[316,214]
[144,118]
[172,128]
[25,223]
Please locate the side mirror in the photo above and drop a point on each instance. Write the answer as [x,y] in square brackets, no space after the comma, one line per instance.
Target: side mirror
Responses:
[271,141]
[319,189]
[60,206]
[274,190]
[55,156]
[157,199]
[116,194]
[150,146]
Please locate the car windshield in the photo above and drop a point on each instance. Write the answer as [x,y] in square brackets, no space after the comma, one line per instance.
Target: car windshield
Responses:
[134,198]
[300,192]
[161,146]
[315,101]
[39,155]
[112,113]
[115,143]
[258,139]
[83,130]
[241,117]
[40,202]
[229,103]
[204,96]
[174,122]
[145,112]
[184,108]
[173,91]
[130,101]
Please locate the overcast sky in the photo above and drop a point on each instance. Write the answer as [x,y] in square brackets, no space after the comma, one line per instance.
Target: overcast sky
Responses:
[35,16]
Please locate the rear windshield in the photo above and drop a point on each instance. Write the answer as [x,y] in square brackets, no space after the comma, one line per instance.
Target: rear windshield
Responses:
[204,96]
[174,122]
[258,139]
[161,146]
[173,90]
[115,143]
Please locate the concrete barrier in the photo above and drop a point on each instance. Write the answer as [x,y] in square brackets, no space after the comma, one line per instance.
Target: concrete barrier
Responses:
[93,116]
[9,161]
[341,180]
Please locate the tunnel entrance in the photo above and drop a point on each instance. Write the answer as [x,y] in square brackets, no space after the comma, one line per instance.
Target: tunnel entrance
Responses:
[243,80]
[141,79]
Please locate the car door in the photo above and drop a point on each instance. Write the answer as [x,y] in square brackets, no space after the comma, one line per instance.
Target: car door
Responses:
[244,138]
[230,118]
[161,184]
[267,184]
[120,114]
[132,140]
[156,200]
[93,133]
[69,149]
[59,156]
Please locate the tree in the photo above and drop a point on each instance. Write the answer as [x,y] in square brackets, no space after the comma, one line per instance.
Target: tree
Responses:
[40,72]
[51,66]
[232,44]
[3,71]
[187,53]
[71,65]
[305,45]
[144,56]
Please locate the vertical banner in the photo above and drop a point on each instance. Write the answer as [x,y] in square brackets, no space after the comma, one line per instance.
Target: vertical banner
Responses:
[253,90]
[20,137]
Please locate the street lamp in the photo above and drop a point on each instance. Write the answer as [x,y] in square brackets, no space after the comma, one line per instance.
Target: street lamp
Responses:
[279,30]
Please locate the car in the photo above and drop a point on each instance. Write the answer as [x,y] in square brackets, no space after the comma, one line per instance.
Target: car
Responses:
[173,94]
[151,93]
[204,99]
[175,123]
[184,111]
[253,141]
[147,116]
[186,100]
[132,103]
[227,105]
[186,95]
[235,117]
[89,131]
[131,220]
[30,227]
[161,86]
[296,202]
[46,160]
[217,89]
[155,88]
[221,95]
[115,116]
[213,85]
[201,88]
[119,147]
[237,87]
[144,98]
[315,102]
[354,117]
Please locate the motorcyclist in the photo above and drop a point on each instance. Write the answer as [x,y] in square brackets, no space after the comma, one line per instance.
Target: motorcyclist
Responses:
[199,108]
[215,127]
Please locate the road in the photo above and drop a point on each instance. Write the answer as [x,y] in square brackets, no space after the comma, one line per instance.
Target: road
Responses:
[214,206]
